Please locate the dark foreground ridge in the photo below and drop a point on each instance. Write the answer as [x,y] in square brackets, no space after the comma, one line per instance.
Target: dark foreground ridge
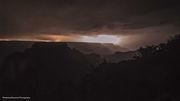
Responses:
[55,72]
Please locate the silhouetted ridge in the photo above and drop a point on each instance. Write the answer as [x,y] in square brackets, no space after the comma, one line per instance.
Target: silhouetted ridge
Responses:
[48,68]
[97,48]
[47,45]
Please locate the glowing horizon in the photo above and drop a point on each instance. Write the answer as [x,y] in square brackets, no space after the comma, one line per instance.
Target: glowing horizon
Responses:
[64,38]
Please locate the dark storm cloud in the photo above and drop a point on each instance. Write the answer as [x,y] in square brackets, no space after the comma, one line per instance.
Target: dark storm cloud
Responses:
[87,16]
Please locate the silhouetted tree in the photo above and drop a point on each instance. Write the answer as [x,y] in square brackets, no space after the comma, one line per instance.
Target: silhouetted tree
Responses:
[153,75]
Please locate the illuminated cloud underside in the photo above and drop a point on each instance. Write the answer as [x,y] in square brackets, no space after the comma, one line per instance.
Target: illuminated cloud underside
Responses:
[101,39]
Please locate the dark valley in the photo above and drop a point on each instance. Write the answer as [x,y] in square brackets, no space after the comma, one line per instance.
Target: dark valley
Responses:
[55,71]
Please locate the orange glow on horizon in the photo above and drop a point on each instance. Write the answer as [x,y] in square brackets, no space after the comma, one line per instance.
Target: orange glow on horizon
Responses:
[41,38]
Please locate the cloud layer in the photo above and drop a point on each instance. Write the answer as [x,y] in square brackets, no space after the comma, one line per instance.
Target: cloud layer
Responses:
[90,17]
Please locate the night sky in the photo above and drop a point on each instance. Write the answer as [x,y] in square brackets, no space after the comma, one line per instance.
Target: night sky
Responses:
[134,22]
